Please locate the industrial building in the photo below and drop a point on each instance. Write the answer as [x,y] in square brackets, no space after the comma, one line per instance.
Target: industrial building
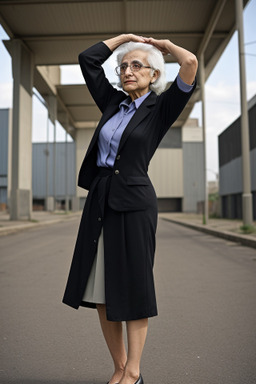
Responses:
[176,170]
[230,166]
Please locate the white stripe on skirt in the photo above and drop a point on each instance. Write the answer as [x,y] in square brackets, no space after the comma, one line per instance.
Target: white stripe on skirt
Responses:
[95,288]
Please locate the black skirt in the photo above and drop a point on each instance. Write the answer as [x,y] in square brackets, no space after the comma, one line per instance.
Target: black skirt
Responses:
[129,248]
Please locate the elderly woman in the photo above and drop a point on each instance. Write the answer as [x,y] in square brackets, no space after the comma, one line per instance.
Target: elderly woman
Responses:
[112,267]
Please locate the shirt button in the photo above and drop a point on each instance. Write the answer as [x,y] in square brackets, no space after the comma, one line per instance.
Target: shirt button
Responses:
[116,172]
[118,157]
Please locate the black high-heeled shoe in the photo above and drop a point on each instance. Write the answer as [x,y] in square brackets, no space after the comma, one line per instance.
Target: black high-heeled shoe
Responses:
[139,381]
[108,382]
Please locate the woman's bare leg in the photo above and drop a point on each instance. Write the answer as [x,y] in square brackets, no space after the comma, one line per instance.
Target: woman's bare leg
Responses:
[113,334]
[136,335]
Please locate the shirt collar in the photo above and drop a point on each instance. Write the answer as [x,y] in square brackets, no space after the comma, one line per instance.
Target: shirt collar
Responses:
[137,102]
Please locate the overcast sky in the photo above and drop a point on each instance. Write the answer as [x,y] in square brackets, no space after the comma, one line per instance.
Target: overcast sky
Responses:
[222,89]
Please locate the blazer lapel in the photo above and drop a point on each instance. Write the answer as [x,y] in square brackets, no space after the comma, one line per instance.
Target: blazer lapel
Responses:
[109,112]
[139,115]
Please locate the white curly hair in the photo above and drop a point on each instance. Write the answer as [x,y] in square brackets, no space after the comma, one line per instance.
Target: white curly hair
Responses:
[155,60]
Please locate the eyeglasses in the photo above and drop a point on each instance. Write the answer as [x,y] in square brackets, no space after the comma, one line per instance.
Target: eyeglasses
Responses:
[134,67]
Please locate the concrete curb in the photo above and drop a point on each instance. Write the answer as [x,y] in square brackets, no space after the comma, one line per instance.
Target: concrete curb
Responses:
[241,239]
[18,228]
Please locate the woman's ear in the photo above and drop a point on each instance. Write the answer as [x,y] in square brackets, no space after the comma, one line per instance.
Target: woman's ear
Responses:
[155,75]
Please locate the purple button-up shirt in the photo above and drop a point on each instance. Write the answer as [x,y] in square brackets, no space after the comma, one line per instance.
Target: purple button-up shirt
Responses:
[111,132]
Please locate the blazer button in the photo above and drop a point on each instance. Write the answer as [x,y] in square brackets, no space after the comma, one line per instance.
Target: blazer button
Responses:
[118,157]
[116,172]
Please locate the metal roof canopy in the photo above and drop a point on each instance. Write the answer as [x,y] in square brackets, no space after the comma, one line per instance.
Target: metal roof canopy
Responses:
[56,31]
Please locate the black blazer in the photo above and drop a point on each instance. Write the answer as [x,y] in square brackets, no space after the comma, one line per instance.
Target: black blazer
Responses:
[130,186]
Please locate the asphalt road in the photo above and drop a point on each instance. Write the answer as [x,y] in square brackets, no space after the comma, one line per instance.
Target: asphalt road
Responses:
[205,332]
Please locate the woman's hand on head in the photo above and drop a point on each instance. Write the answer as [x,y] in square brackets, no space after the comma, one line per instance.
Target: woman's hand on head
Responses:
[115,42]
[161,45]
[134,38]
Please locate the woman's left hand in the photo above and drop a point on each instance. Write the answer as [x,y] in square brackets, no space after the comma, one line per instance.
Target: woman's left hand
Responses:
[161,45]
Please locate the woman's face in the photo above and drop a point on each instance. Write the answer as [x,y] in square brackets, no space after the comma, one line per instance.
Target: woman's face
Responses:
[136,84]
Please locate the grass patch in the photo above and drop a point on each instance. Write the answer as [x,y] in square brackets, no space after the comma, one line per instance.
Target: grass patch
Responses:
[214,216]
[247,229]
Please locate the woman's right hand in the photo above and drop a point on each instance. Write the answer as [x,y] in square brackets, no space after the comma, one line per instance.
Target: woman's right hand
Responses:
[135,38]
[124,38]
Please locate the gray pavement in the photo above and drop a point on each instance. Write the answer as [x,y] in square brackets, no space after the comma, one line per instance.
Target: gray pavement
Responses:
[205,332]
[38,219]
[224,228]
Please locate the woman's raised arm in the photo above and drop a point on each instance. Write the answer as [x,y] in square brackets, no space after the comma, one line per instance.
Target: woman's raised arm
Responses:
[187,60]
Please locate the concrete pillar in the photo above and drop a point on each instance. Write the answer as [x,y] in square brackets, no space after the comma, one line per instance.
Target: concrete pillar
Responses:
[202,88]
[63,117]
[21,179]
[247,195]
[49,203]
[75,206]
[9,170]
[51,102]
[83,138]
[66,174]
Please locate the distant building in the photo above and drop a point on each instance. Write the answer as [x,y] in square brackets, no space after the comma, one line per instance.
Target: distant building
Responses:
[45,182]
[177,169]
[230,165]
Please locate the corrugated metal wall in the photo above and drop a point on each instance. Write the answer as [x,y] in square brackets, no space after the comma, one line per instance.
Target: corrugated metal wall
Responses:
[230,154]
[253,168]
[231,186]
[230,139]
[230,160]
[177,168]
[39,170]
[231,177]
[166,172]
[4,124]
